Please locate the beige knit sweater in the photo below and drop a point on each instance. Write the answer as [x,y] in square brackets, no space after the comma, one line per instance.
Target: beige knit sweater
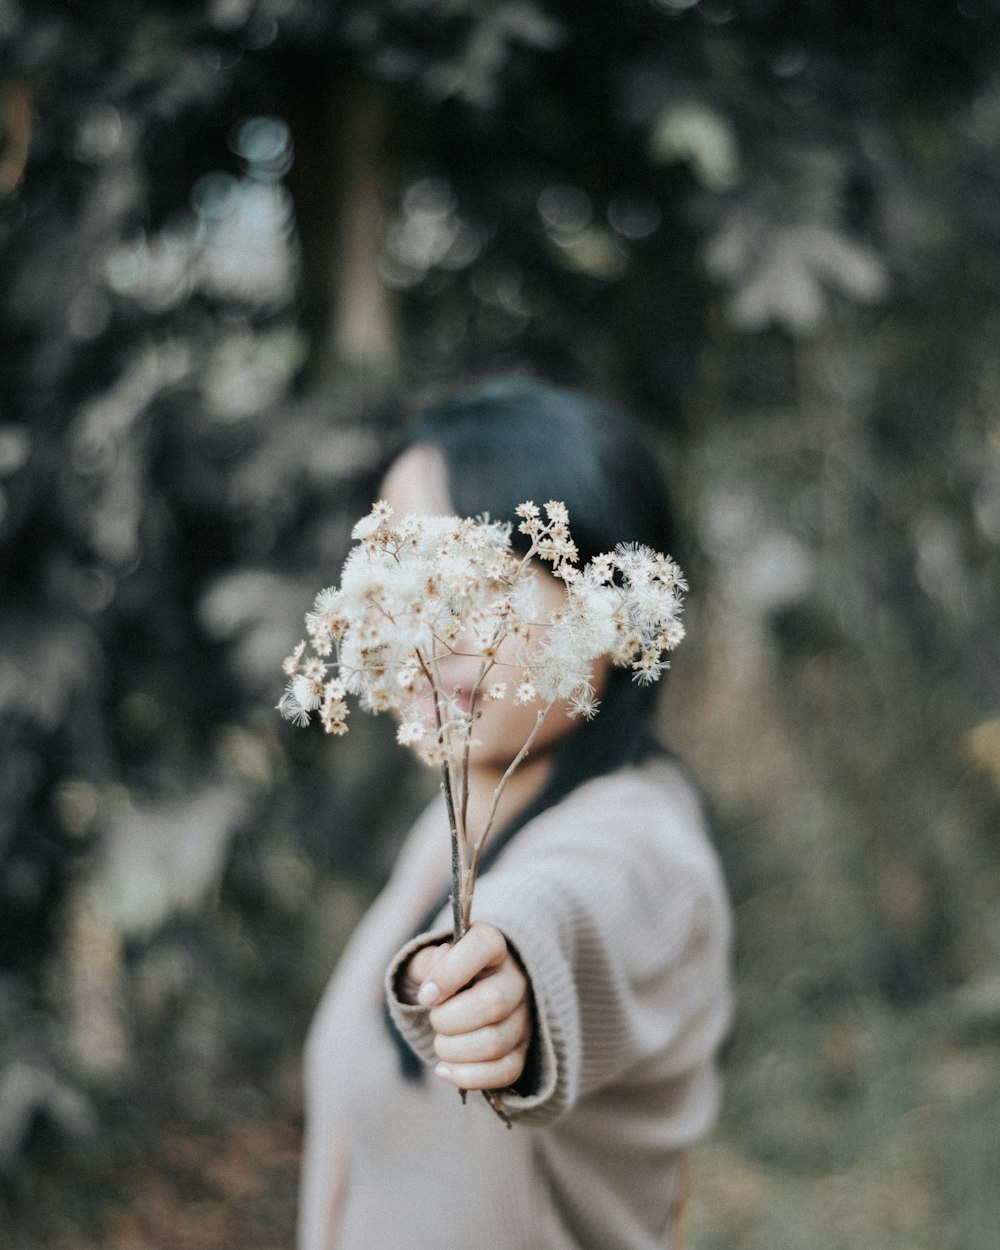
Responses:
[615,905]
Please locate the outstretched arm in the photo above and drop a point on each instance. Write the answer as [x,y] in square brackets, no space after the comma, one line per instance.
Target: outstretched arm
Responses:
[613,906]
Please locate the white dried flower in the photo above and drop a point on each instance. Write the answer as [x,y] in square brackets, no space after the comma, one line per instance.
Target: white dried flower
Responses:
[334,690]
[292,710]
[584,704]
[410,732]
[416,589]
[308,691]
[556,512]
[291,664]
[408,677]
[314,669]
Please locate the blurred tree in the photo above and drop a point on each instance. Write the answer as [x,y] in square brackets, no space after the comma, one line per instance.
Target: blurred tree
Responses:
[243,239]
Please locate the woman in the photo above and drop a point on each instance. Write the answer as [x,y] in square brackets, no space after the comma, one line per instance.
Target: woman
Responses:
[592,988]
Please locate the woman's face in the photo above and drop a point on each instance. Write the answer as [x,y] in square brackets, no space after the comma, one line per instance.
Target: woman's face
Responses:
[417,484]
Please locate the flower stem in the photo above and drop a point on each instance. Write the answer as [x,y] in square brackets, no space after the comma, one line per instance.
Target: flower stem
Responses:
[477,848]
[457,901]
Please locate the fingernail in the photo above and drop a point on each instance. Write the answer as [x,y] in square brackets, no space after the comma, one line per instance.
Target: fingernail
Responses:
[442,1070]
[428,994]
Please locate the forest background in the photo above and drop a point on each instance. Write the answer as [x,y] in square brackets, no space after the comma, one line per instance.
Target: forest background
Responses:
[243,241]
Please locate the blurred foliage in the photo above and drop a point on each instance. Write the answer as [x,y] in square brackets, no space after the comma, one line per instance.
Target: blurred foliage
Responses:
[240,242]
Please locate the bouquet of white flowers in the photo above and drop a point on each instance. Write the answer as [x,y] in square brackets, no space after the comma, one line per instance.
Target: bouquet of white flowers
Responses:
[417,590]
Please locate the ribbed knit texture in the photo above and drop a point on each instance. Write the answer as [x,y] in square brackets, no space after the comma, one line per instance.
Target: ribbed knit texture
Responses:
[614,903]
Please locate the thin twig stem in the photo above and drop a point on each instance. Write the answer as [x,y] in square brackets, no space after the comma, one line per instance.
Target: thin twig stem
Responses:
[457,909]
[473,869]
[473,696]
[457,857]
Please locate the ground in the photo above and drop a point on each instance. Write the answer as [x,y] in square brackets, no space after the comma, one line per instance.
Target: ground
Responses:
[869,1127]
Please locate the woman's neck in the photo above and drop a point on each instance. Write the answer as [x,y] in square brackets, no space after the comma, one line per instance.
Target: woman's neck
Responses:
[522,787]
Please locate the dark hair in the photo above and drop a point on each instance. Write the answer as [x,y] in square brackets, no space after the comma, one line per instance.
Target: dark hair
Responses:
[510,441]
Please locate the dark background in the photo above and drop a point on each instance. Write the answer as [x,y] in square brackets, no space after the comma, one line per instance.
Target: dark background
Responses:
[242,242]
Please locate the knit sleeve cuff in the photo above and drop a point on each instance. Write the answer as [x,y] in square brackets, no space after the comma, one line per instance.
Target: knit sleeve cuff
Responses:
[548,1087]
[413,1020]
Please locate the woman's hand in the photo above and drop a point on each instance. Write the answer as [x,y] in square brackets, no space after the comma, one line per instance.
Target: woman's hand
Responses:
[480,1007]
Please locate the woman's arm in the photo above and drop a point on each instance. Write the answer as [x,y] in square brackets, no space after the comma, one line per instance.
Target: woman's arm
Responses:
[615,908]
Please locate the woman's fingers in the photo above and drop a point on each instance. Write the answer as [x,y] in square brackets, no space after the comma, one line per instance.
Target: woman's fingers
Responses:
[488,1001]
[497,1074]
[486,1044]
[416,970]
[424,960]
[482,948]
